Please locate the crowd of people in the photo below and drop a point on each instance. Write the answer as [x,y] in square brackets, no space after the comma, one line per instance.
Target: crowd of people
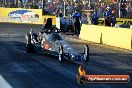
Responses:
[70,7]
[30,4]
[78,19]
[52,7]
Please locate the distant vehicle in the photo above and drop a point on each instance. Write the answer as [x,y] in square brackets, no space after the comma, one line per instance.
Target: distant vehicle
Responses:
[122,26]
[50,41]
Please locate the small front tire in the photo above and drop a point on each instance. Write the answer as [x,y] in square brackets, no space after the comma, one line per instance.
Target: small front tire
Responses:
[30,48]
[86,53]
[29,45]
[61,54]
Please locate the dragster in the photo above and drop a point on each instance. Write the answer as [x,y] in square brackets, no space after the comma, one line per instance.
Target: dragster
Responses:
[50,41]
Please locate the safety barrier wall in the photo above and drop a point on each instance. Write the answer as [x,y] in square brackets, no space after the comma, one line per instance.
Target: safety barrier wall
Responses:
[20,15]
[87,33]
[118,37]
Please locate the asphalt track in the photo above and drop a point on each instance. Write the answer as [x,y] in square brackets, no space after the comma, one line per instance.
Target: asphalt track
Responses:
[21,70]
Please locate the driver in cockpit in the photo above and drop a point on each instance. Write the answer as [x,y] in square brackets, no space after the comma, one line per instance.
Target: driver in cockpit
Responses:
[48,24]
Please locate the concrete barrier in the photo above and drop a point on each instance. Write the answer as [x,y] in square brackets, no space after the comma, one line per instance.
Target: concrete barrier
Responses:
[118,37]
[91,33]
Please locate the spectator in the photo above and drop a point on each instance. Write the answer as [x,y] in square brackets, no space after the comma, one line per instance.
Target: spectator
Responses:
[107,16]
[39,4]
[94,18]
[113,18]
[77,16]
[51,7]
[57,12]
[84,19]
[60,14]
[99,11]
[69,8]
[123,11]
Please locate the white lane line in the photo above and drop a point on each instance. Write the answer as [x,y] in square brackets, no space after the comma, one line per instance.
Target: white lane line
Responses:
[111,62]
[22,51]
[11,35]
[17,68]
[4,83]
[16,49]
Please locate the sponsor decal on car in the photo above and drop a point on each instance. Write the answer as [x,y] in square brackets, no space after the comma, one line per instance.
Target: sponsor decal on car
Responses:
[23,16]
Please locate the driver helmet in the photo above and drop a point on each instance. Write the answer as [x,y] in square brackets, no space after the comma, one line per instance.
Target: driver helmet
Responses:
[108,8]
[31,31]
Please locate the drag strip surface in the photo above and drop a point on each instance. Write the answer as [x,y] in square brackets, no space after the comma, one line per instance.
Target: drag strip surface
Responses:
[21,70]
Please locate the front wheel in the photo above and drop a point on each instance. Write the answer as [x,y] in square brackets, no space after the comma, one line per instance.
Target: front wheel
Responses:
[30,48]
[61,54]
[86,53]
[29,45]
